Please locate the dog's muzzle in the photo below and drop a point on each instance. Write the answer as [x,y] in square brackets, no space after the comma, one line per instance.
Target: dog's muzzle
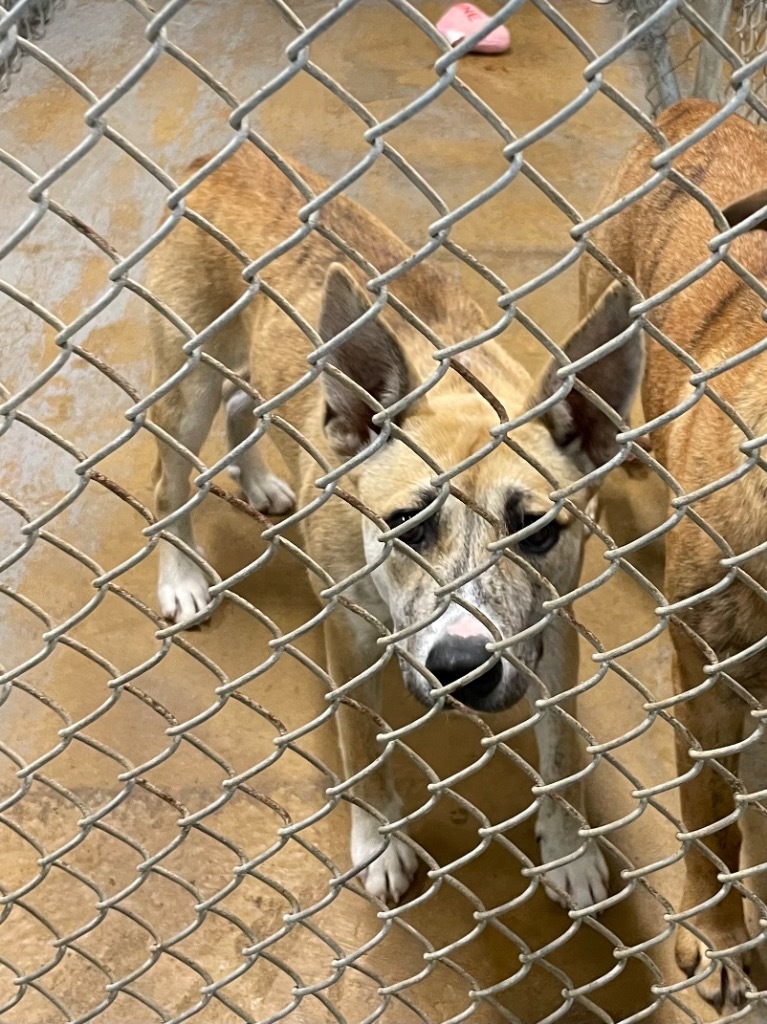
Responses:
[454,657]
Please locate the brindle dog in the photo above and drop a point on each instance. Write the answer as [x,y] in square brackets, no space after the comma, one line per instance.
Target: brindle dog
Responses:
[257,206]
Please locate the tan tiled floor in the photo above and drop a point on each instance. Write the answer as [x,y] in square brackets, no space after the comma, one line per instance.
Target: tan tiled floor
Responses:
[375,53]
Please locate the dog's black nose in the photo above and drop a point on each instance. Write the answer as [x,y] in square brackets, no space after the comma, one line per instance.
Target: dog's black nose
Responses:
[455,657]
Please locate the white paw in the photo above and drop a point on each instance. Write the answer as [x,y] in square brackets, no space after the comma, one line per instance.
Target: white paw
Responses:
[183,587]
[265,492]
[581,882]
[389,876]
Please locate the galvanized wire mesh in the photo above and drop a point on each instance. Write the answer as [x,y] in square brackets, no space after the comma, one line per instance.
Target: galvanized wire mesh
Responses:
[27,18]
[751,34]
[171,843]
[680,61]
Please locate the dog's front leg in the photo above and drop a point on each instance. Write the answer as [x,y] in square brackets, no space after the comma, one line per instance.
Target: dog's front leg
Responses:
[387,863]
[716,720]
[585,879]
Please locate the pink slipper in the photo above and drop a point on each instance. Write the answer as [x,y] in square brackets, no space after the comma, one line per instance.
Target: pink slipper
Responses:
[464,20]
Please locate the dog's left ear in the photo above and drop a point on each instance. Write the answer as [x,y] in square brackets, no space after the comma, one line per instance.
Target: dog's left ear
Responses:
[737,212]
[615,378]
[371,357]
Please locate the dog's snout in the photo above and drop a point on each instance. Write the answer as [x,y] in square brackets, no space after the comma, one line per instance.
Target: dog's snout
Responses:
[455,657]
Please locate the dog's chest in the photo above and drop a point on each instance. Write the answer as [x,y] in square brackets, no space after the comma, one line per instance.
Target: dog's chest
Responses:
[732,629]
[752,675]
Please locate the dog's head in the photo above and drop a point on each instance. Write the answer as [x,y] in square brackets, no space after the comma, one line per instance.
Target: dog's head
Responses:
[450,587]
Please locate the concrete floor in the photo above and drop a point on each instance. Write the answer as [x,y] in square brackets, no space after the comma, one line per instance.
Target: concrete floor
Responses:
[377,54]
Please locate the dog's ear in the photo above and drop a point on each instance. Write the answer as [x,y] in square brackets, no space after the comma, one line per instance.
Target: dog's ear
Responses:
[737,212]
[615,378]
[370,356]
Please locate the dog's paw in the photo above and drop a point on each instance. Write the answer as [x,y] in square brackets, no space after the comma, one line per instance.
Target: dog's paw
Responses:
[389,876]
[724,988]
[183,588]
[265,492]
[271,496]
[580,883]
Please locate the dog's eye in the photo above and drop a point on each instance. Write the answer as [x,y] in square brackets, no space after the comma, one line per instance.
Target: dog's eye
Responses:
[421,532]
[542,540]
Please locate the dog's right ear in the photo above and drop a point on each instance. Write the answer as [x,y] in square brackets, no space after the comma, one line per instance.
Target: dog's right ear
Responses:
[738,211]
[575,422]
[371,356]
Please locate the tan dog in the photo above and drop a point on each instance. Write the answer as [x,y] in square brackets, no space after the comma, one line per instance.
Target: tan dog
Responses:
[656,241]
[445,643]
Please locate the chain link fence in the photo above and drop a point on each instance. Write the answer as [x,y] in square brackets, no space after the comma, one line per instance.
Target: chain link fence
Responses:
[174,808]
[683,60]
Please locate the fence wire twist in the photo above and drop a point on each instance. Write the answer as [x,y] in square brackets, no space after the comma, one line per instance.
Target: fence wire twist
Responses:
[34,801]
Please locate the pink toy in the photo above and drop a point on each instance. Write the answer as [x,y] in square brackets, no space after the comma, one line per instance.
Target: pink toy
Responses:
[464,20]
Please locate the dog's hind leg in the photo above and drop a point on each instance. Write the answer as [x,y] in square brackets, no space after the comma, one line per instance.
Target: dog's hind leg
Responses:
[387,864]
[265,491]
[186,413]
[202,295]
[715,720]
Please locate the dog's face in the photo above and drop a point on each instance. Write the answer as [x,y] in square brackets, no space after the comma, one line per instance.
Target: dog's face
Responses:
[505,587]
[465,590]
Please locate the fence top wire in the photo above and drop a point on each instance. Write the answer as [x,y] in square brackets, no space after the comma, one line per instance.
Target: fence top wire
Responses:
[204,840]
